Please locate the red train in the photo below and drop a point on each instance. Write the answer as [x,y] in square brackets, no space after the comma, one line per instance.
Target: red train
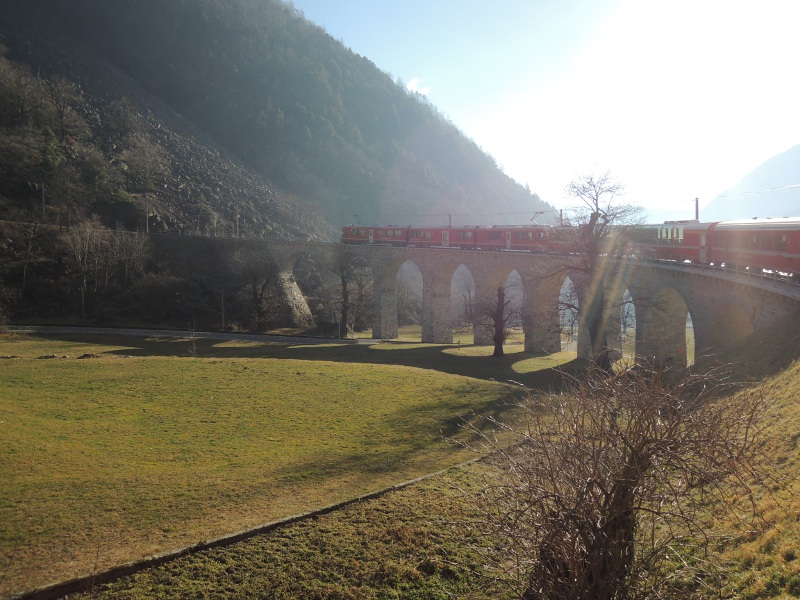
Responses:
[535,238]
[754,244]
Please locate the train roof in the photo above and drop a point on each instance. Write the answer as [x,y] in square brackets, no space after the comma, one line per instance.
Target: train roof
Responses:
[685,225]
[760,223]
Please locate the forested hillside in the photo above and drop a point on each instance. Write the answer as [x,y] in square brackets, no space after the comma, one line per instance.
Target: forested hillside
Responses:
[234,115]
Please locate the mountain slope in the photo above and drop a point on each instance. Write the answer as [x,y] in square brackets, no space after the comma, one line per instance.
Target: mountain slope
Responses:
[771,190]
[118,151]
[275,95]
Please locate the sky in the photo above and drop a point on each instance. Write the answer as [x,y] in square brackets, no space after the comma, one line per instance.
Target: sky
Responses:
[677,100]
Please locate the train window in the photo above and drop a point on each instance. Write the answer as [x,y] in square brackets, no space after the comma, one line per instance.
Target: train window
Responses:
[463,235]
[741,240]
[523,235]
[358,232]
[645,234]
[495,235]
[424,234]
[781,243]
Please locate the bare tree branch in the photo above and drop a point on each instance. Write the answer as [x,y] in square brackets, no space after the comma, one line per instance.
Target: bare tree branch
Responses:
[611,481]
[596,230]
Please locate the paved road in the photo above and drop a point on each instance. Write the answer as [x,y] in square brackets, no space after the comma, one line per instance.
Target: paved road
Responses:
[186,333]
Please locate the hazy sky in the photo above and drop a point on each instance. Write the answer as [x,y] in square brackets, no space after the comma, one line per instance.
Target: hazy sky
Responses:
[678,99]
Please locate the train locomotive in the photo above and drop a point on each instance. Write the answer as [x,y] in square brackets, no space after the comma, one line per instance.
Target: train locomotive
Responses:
[770,245]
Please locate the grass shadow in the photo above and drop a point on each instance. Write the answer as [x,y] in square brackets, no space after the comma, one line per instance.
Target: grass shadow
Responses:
[425,356]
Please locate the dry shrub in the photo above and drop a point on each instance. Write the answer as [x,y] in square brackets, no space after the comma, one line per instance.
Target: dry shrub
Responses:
[618,484]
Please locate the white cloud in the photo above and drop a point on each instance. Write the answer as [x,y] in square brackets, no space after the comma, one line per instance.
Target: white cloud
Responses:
[414,86]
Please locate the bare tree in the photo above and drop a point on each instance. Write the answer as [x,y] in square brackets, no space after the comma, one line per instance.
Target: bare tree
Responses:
[349,268]
[497,316]
[463,294]
[130,250]
[610,481]
[597,227]
[23,90]
[259,301]
[6,295]
[30,236]
[409,301]
[627,322]
[569,310]
[87,247]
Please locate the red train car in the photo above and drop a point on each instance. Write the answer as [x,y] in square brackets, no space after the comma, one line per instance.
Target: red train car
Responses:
[383,236]
[533,238]
[755,244]
[771,245]
[675,241]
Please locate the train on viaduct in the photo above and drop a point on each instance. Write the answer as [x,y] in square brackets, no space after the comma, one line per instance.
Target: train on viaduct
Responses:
[723,305]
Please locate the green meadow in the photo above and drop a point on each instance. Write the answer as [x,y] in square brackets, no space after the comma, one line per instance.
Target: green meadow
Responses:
[114,447]
[417,542]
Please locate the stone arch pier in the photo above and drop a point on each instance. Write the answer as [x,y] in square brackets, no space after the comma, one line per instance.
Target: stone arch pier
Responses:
[722,307]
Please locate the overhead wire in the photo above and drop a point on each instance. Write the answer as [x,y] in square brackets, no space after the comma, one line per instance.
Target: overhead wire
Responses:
[775,189]
[428,215]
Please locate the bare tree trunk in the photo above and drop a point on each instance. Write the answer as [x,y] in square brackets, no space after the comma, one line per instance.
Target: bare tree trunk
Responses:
[345,309]
[596,325]
[613,462]
[28,254]
[499,324]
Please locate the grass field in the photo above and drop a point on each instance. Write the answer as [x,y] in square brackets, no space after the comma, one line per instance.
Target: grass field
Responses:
[411,543]
[461,335]
[147,445]
[415,543]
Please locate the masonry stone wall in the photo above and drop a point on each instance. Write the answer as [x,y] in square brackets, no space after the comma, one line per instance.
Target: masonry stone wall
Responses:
[722,307]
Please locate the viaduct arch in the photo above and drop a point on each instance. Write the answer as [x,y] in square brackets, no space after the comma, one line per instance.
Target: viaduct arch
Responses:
[723,307]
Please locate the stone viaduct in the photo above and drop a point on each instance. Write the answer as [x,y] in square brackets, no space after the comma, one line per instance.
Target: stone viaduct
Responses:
[723,306]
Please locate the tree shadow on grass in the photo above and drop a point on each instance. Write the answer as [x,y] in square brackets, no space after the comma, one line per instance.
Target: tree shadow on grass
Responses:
[424,356]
